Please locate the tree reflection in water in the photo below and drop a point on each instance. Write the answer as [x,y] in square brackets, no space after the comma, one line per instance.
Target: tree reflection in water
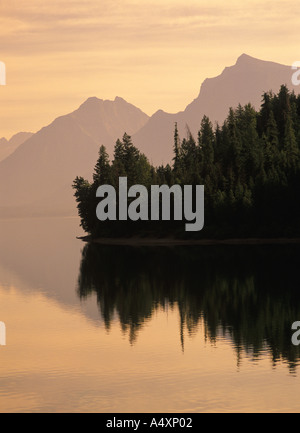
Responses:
[250,294]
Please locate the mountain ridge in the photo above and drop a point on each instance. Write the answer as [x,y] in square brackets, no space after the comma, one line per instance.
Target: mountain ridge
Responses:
[7,147]
[242,83]
[50,159]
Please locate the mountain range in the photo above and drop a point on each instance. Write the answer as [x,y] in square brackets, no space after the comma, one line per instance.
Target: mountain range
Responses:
[9,146]
[37,170]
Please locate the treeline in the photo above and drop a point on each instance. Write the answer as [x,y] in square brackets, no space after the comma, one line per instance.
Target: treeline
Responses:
[250,167]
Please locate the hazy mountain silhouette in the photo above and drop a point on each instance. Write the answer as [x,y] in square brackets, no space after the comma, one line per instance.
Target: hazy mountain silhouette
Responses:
[7,147]
[242,83]
[36,178]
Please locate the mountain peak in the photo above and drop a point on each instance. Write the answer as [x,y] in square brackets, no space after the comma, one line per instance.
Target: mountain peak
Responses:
[7,147]
[119,99]
[245,58]
[93,102]
[90,103]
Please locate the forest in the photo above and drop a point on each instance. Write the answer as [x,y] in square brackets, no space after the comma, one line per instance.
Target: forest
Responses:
[249,166]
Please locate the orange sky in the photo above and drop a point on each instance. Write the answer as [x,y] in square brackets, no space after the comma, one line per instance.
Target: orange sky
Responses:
[153,53]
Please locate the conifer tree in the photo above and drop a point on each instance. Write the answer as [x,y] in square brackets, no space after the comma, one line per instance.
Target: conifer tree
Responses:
[102,168]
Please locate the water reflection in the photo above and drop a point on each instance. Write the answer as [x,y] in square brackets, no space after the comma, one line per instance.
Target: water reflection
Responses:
[249,295]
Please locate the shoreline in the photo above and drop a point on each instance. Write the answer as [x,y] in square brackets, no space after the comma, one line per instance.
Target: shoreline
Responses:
[136,241]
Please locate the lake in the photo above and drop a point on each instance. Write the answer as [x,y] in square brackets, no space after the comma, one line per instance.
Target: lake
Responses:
[94,328]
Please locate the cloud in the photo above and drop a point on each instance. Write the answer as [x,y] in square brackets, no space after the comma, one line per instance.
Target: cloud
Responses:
[155,53]
[36,27]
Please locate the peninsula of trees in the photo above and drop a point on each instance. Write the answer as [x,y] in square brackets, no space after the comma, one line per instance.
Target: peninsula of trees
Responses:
[249,166]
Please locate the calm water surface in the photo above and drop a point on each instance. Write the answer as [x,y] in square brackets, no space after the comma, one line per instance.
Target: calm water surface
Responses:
[122,329]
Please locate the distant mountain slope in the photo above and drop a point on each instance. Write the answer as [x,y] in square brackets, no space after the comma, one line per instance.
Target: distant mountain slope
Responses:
[37,177]
[7,147]
[242,83]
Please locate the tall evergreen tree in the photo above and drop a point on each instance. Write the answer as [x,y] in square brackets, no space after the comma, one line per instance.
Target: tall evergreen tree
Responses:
[102,168]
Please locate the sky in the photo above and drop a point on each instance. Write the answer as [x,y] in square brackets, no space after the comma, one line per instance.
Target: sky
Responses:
[153,53]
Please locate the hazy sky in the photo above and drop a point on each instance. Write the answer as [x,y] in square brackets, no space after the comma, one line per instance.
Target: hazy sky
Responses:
[153,53]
